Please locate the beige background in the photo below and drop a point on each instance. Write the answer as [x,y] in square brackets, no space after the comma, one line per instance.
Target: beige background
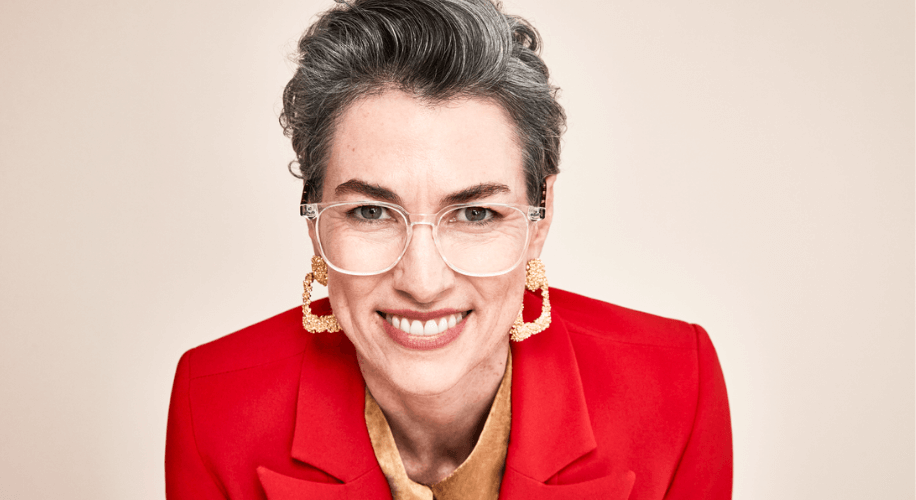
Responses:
[745,165]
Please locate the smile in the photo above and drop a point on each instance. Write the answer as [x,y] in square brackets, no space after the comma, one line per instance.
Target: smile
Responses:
[427,328]
[424,331]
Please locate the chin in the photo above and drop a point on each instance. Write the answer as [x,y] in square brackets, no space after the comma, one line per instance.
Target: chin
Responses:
[428,377]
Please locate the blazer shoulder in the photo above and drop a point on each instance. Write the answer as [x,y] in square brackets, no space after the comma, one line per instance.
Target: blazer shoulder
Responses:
[275,338]
[586,316]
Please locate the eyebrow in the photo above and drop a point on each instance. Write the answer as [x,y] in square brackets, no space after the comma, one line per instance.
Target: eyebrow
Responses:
[477,192]
[355,186]
[480,191]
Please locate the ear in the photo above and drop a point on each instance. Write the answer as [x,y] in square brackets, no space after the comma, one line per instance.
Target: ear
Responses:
[542,226]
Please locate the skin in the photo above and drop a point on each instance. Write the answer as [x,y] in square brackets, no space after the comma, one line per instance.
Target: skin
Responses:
[435,401]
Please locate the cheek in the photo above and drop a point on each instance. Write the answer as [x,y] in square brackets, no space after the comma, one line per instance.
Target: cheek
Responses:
[508,295]
[351,297]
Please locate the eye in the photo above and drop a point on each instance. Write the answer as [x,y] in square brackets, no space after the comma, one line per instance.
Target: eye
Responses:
[474,214]
[371,212]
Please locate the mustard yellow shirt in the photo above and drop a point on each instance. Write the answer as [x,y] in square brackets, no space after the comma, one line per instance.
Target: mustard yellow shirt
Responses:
[478,477]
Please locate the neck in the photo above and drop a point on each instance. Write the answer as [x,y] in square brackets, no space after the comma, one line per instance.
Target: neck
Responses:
[435,433]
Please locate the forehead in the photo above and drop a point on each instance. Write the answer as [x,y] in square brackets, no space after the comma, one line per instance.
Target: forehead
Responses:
[421,150]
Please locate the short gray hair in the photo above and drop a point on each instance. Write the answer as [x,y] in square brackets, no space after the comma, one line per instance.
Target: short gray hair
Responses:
[435,50]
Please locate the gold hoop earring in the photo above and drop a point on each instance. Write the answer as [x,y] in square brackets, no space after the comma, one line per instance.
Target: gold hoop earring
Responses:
[535,277]
[311,322]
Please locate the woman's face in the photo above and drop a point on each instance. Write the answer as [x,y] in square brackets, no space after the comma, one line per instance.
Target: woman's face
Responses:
[421,154]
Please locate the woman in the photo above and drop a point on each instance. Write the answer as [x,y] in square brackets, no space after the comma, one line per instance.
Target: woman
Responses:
[427,136]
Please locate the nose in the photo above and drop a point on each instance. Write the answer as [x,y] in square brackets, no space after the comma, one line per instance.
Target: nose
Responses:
[422,274]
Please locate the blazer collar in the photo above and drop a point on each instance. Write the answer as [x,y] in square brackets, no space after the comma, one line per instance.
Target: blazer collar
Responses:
[330,431]
[551,427]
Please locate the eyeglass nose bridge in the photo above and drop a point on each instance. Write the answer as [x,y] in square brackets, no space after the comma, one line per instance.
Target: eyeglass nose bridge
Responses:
[422,220]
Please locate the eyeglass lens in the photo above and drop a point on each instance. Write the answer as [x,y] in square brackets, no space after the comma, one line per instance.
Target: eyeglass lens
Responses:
[367,239]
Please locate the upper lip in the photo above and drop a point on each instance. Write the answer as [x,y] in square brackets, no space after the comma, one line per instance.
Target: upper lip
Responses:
[422,316]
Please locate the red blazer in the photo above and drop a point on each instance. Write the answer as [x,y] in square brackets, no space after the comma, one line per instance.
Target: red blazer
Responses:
[606,403]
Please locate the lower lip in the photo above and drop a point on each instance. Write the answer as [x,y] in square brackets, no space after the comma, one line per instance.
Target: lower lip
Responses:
[423,342]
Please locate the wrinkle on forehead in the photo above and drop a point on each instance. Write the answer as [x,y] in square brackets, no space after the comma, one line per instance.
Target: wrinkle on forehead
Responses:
[423,152]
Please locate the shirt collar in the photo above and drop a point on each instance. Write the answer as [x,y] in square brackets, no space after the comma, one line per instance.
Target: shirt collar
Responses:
[479,476]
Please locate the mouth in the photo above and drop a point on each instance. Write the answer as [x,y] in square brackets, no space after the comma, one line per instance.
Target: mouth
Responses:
[424,331]
[425,327]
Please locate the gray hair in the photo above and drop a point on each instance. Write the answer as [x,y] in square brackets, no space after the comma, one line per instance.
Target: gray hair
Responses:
[435,50]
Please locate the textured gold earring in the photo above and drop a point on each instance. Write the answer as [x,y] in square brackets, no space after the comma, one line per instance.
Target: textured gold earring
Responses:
[535,277]
[311,322]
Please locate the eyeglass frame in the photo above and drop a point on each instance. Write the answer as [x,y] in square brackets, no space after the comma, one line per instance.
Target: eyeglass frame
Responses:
[311,211]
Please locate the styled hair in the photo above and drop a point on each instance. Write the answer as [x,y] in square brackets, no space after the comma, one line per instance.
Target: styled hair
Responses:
[434,50]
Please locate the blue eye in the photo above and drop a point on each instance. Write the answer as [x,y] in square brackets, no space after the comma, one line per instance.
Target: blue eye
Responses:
[372,212]
[474,214]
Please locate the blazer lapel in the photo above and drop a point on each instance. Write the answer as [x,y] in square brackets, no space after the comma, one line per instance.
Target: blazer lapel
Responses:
[550,421]
[330,431]
[280,487]
[613,487]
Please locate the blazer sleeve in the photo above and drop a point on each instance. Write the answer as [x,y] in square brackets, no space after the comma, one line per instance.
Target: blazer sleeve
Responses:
[186,475]
[705,469]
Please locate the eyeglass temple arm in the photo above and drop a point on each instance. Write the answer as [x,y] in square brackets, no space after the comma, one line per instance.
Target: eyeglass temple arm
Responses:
[539,214]
[542,207]
[303,202]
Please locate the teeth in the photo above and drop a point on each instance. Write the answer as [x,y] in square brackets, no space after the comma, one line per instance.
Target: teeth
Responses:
[431,327]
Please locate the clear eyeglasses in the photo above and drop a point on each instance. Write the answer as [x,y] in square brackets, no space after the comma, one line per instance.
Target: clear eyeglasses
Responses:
[370,237]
